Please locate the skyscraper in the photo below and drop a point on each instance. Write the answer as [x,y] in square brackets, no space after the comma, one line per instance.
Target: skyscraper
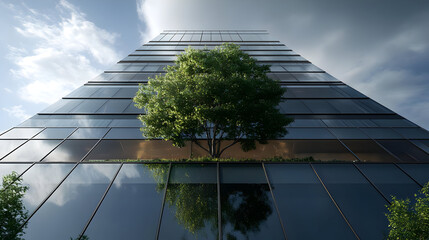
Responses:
[78,157]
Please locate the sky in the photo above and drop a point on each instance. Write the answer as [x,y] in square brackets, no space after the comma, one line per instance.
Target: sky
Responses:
[49,48]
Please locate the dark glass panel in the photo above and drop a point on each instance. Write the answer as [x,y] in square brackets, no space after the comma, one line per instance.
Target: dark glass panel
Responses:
[390,180]
[348,133]
[320,106]
[369,151]
[70,151]
[346,106]
[132,207]
[362,205]
[54,133]
[126,92]
[312,92]
[85,91]
[124,133]
[416,133]
[33,150]
[191,207]
[284,77]
[372,106]
[348,91]
[422,144]
[88,106]
[41,180]
[393,123]
[419,172]
[248,211]
[303,202]
[302,68]
[114,106]
[136,149]
[89,133]
[325,150]
[293,106]
[307,123]
[20,133]
[8,145]
[65,213]
[8,168]
[308,133]
[105,92]
[405,150]
[314,77]
[349,123]
[381,133]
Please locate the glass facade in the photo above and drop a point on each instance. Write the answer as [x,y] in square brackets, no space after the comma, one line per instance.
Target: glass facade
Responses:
[81,159]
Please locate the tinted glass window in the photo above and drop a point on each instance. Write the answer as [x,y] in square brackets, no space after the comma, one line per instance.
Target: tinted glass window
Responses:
[184,217]
[362,205]
[73,203]
[124,133]
[70,151]
[348,133]
[405,150]
[88,106]
[54,133]
[89,133]
[114,106]
[418,133]
[308,133]
[33,150]
[248,211]
[369,151]
[6,169]
[105,92]
[303,202]
[8,145]
[138,190]
[419,172]
[381,133]
[390,180]
[21,133]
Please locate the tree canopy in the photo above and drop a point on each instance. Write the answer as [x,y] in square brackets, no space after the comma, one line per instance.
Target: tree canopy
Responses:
[410,221]
[216,95]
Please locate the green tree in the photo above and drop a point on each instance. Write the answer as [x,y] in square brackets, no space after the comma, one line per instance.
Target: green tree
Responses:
[410,221]
[12,210]
[221,94]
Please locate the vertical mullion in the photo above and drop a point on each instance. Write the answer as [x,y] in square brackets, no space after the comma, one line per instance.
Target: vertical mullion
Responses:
[274,200]
[163,202]
[219,207]
[100,202]
[335,202]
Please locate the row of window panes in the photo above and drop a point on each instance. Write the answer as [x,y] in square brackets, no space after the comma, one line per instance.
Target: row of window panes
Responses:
[177,52]
[173,58]
[143,190]
[93,106]
[331,106]
[202,46]
[329,149]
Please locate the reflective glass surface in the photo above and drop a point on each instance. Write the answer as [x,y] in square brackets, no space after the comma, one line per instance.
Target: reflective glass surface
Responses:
[21,133]
[248,211]
[124,133]
[70,151]
[8,145]
[132,207]
[369,151]
[41,180]
[303,202]
[390,180]
[33,150]
[362,205]
[405,150]
[65,213]
[8,168]
[89,133]
[191,207]
[54,133]
[419,172]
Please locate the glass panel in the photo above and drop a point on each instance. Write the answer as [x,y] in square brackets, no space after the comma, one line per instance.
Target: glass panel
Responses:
[21,133]
[70,151]
[308,133]
[346,106]
[136,149]
[320,106]
[390,180]
[8,145]
[105,92]
[33,150]
[114,106]
[307,123]
[422,144]
[324,150]
[348,133]
[362,205]
[89,133]
[41,180]
[381,133]
[369,151]
[124,133]
[393,123]
[293,106]
[248,211]
[303,202]
[84,91]
[417,133]
[54,133]
[66,212]
[190,210]
[133,204]
[126,93]
[88,106]
[420,172]
[6,169]
[405,150]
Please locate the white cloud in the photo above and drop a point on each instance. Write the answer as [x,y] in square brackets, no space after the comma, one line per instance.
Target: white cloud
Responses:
[17,112]
[67,53]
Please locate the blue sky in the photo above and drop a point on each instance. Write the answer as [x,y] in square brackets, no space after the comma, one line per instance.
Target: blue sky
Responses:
[50,47]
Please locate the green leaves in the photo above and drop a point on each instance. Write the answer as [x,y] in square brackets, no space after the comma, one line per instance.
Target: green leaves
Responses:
[219,94]
[407,221]
[12,210]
